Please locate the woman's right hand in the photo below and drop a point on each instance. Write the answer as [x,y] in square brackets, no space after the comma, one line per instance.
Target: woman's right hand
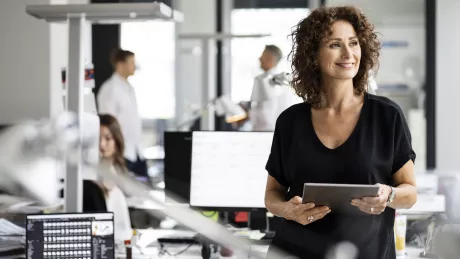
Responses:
[304,213]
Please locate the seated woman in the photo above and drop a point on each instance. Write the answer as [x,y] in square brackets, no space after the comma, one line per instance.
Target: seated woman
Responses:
[111,148]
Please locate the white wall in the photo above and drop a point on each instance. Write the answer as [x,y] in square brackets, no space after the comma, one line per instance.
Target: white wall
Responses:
[396,62]
[199,17]
[396,20]
[32,55]
[58,43]
[402,22]
[24,63]
[447,85]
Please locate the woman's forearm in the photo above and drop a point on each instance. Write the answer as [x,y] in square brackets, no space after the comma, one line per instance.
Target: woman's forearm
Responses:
[275,202]
[405,198]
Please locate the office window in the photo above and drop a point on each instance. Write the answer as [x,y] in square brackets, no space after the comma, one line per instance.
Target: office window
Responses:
[246,52]
[154,46]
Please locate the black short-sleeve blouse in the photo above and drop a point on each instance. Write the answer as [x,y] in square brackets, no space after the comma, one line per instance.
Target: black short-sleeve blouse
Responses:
[377,148]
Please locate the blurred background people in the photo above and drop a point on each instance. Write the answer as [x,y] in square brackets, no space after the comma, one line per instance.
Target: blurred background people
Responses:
[267,99]
[111,148]
[118,98]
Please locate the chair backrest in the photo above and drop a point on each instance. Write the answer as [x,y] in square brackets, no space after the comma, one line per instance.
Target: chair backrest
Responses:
[93,197]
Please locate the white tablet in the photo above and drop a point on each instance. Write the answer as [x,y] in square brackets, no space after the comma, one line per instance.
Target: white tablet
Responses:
[338,196]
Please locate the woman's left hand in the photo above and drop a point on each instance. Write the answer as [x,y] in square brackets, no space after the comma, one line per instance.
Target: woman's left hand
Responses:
[374,205]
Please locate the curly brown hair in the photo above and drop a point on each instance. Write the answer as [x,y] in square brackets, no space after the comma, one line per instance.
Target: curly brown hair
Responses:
[307,36]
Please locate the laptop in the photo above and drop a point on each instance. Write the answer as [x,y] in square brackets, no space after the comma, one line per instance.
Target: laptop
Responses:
[78,235]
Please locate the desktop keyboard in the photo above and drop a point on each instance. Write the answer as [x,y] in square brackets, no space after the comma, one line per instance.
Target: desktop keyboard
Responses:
[177,240]
[269,235]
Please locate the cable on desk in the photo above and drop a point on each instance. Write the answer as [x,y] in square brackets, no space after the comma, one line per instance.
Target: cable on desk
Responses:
[213,213]
[163,251]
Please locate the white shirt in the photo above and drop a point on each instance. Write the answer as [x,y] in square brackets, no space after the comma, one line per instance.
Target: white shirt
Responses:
[118,98]
[116,203]
[269,101]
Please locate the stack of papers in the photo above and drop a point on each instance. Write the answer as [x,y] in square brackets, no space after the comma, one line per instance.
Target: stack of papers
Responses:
[13,204]
[10,231]
[12,237]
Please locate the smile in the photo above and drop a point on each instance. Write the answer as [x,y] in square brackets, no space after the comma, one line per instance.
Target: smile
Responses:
[345,65]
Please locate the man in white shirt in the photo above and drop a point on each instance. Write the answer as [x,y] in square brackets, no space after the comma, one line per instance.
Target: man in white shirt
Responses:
[267,99]
[118,98]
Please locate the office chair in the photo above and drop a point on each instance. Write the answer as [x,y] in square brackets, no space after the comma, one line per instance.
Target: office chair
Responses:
[93,197]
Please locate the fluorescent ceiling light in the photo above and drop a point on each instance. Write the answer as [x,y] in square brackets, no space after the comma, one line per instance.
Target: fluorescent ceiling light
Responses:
[220,36]
[105,13]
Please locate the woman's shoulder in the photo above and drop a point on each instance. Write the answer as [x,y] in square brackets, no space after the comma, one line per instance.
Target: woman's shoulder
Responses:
[294,112]
[384,105]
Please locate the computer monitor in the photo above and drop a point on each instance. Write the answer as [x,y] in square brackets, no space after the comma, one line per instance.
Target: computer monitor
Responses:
[177,165]
[228,170]
[80,235]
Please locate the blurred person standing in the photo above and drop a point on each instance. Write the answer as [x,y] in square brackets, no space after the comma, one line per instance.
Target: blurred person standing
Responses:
[118,98]
[269,100]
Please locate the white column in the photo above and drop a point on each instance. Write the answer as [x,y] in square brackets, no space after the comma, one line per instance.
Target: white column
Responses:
[447,85]
[199,17]
[73,182]
[208,87]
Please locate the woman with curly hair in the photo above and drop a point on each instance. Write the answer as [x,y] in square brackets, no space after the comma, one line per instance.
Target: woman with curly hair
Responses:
[339,134]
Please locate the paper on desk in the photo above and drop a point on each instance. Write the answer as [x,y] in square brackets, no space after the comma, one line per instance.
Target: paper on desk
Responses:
[11,236]
[8,228]
[9,245]
[251,234]
[148,237]
[13,204]
[6,201]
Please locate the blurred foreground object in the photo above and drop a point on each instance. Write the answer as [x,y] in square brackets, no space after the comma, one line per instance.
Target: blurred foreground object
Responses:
[30,152]
[31,156]
[443,235]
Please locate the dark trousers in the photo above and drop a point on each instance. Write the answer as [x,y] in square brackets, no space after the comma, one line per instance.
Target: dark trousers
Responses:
[138,167]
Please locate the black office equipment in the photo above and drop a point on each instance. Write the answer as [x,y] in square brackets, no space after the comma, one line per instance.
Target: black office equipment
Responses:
[177,165]
[93,197]
[79,235]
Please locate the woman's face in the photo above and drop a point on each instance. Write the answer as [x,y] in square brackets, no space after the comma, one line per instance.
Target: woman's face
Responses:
[340,53]
[107,145]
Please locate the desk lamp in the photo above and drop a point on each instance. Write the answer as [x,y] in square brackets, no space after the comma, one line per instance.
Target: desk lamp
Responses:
[271,87]
[223,106]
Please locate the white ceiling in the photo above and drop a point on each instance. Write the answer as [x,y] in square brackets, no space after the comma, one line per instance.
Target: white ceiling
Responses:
[388,12]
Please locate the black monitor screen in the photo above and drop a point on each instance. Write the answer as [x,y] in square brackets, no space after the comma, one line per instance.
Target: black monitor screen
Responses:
[177,165]
[80,235]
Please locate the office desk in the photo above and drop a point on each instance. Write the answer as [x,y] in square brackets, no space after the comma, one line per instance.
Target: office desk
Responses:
[413,253]
[194,252]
